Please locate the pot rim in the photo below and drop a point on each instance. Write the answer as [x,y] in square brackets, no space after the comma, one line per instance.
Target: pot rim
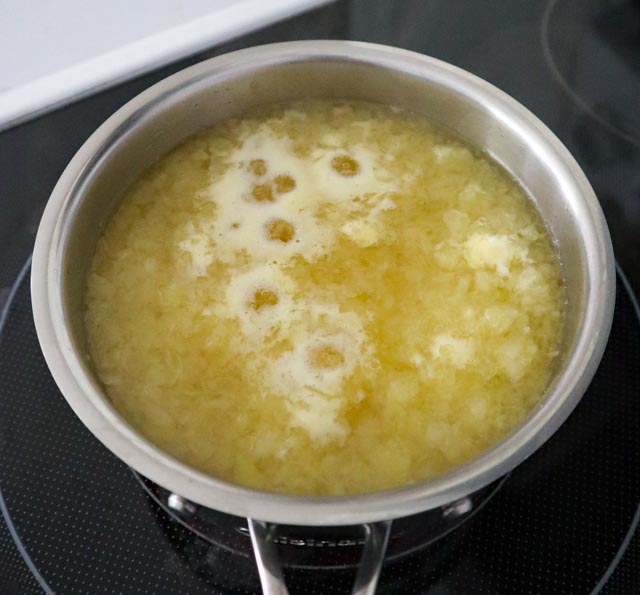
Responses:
[106,424]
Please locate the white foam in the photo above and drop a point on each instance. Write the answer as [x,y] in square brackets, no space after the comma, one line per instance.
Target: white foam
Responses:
[256,324]
[457,351]
[314,393]
[237,235]
[498,251]
[238,228]
[367,230]
[200,247]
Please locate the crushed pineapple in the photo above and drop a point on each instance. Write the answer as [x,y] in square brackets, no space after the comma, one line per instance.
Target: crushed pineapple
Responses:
[324,298]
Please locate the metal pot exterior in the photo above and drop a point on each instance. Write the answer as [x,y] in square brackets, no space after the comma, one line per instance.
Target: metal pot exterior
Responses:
[163,116]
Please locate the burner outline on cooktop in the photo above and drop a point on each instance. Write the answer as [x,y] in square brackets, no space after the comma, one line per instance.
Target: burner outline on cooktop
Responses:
[567,88]
[3,507]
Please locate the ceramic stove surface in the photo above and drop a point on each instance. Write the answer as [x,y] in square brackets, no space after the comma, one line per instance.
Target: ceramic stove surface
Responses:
[77,520]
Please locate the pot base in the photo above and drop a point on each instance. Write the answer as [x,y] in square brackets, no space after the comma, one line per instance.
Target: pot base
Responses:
[320,547]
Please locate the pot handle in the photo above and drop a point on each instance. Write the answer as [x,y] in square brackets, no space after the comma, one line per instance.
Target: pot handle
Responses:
[266,555]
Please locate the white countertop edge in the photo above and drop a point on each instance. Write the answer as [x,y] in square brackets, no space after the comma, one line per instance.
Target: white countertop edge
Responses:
[33,99]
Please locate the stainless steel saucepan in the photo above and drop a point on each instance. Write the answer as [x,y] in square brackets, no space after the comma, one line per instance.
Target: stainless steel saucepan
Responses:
[163,116]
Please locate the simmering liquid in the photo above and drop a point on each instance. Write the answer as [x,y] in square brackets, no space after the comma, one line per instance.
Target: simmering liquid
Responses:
[324,298]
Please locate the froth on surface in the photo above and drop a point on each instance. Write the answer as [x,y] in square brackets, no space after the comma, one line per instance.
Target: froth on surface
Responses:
[324,298]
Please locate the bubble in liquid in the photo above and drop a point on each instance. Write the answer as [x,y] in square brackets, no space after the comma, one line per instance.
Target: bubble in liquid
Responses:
[262,298]
[345,165]
[284,183]
[280,230]
[262,193]
[258,167]
[326,357]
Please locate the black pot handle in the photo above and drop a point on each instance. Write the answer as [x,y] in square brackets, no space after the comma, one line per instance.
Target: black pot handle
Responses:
[265,550]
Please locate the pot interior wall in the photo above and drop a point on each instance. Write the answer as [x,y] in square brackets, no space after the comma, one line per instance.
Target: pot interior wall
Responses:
[212,94]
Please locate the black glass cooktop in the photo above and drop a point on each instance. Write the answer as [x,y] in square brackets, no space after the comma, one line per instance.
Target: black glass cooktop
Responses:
[83,523]
[78,521]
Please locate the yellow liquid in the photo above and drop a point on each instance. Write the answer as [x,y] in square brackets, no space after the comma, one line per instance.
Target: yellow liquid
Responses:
[324,298]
